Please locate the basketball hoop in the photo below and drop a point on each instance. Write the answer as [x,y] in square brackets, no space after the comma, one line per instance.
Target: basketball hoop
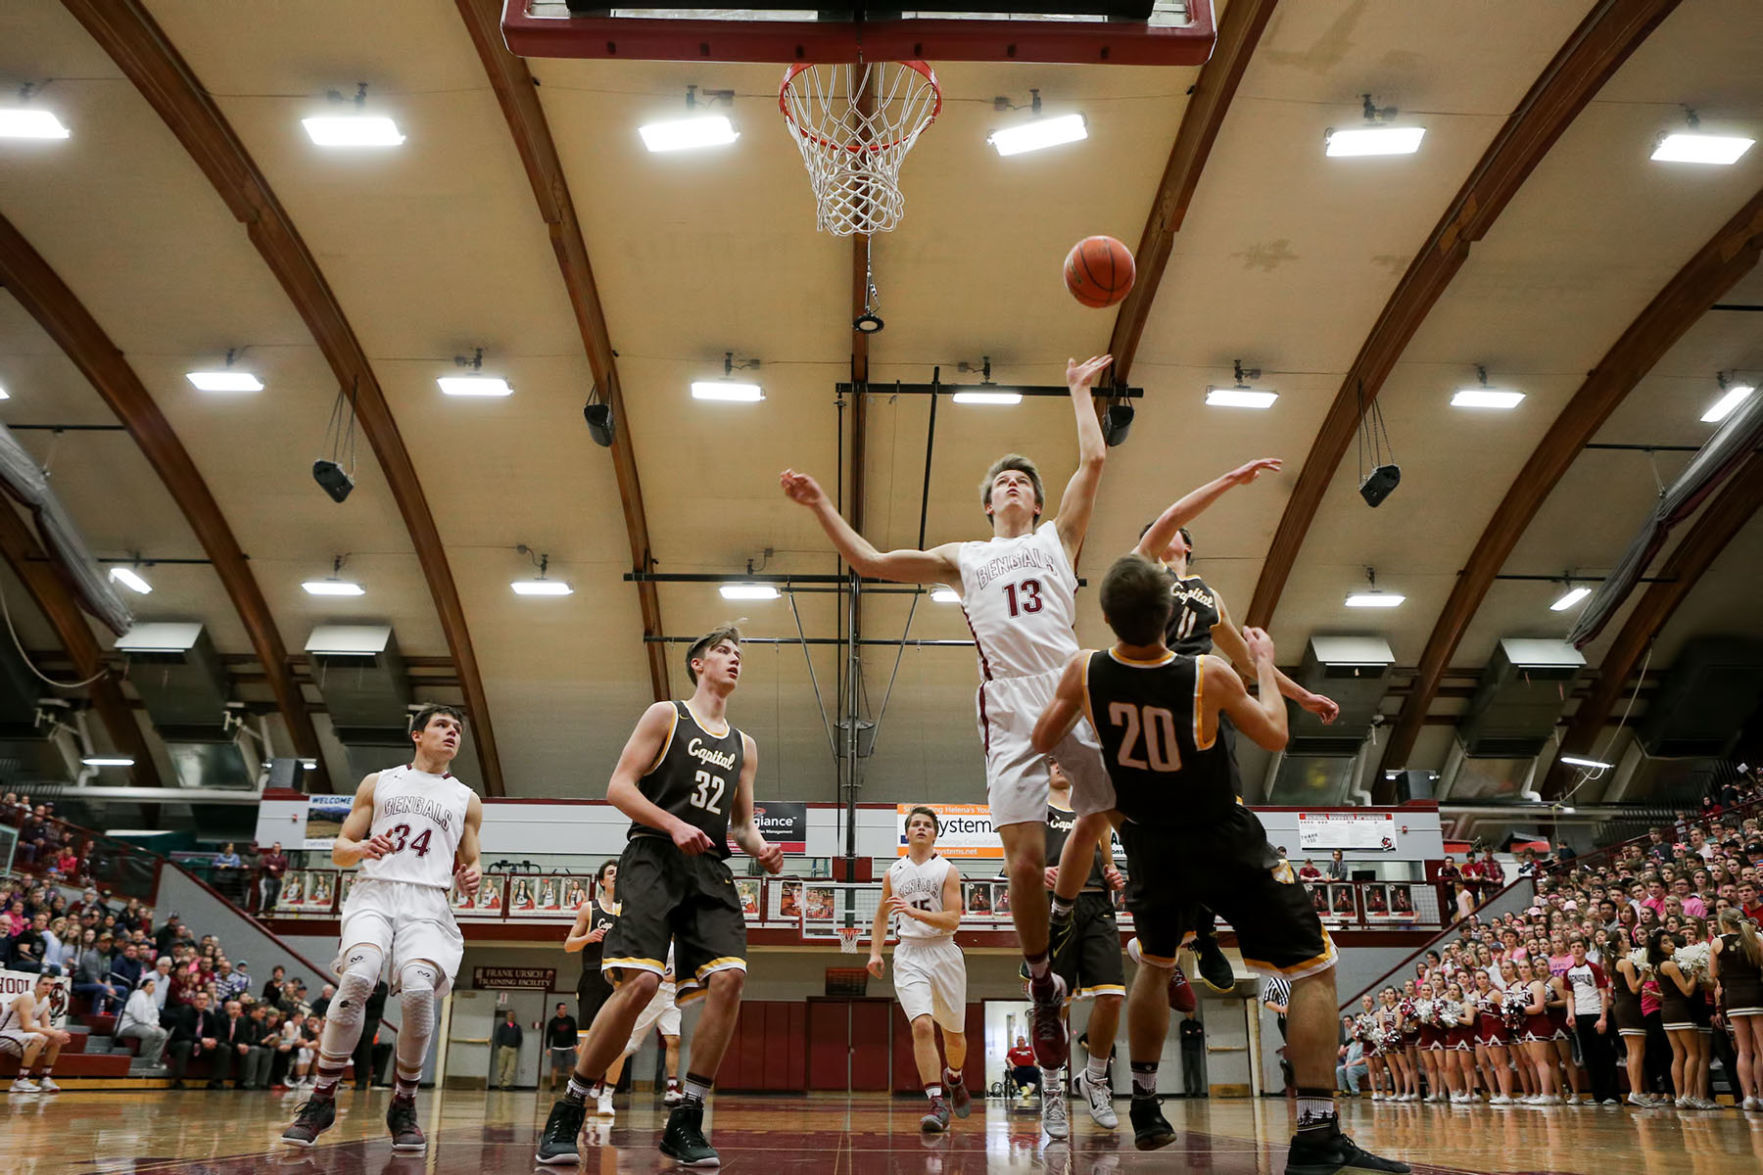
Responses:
[854,125]
[848,936]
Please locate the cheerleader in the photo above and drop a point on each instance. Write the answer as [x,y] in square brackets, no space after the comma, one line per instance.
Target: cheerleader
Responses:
[1678,992]
[1390,1022]
[1735,965]
[1491,1038]
[1514,998]
[1539,1033]
[1365,1025]
[1432,1043]
[1459,1017]
[1410,1037]
[1625,1006]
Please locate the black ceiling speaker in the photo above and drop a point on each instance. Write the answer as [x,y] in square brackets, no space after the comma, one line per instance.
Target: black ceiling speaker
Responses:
[1116,424]
[330,475]
[599,418]
[1380,483]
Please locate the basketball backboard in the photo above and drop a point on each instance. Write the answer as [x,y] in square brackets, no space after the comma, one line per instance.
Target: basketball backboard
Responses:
[1092,32]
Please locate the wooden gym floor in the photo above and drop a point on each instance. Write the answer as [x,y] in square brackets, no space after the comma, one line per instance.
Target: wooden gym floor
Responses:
[225,1133]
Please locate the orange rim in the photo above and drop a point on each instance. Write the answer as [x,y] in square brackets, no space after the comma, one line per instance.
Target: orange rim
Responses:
[921,68]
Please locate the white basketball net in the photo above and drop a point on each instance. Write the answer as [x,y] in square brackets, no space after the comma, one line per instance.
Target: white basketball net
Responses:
[848,936]
[854,125]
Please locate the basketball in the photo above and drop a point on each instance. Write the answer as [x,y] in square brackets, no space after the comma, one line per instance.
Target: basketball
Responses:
[1099,271]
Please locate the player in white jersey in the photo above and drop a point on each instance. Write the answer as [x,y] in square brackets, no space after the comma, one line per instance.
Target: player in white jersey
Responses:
[1017,590]
[414,832]
[923,891]
[28,1033]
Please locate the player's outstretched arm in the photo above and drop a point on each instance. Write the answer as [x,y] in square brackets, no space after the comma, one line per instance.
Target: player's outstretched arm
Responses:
[1065,709]
[353,843]
[1185,509]
[906,565]
[1261,718]
[1079,499]
[468,860]
[641,752]
[878,930]
[740,818]
[1229,641]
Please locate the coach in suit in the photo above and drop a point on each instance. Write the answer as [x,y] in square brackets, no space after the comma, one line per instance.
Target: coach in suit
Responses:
[233,1041]
[195,1032]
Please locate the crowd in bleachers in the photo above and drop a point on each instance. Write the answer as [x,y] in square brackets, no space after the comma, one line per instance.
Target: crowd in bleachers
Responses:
[191,1006]
[1641,962]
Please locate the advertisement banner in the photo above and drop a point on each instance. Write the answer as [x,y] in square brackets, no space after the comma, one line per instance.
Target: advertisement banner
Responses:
[16,983]
[324,820]
[783,823]
[967,831]
[1365,832]
[514,978]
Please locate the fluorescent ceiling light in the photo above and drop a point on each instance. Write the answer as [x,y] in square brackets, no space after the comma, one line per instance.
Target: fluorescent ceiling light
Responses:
[541,587]
[1374,140]
[722,389]
[1486,398]
[332,587]
[1241,397]
[129,578]
[1374,599]
[107,761]
[309,764]
[1037,133]
[1578,761]
[1684,147]
[1005,398]
[1735,395]
[686,134]
[20,123]
[748,591]
[4,394]
[353,130]
[1569,598]
[224,381]
[474,385]
[944,595]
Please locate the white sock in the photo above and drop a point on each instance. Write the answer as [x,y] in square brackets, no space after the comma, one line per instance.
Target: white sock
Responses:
[1098,1069]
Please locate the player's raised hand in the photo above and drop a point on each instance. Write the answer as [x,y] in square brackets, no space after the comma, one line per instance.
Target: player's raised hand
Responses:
[375,847]
[877,966]
[1260,644]
[1324,708]
[801,488]
[691,840]
[771,858]
[1083,375]
[1242,475]
[468,878]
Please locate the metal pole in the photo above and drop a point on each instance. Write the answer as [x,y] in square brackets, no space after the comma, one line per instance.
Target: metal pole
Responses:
[854,662]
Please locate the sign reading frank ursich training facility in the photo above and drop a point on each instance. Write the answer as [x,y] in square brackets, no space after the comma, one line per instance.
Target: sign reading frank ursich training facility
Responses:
[514,978]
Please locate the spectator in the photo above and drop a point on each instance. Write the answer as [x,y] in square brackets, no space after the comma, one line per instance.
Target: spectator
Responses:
[1308,871]
[271,866]
[560,1042]
[1337,868]
[93,980]
[1591,995]
[170,935]
[1193,1056]
[322,1004]
[228,983]
[232,1047]
[300,1043]
[1023,1068]
[161,974]
[194,1034]
[255,1073]
[125,967]
[1352,1068]
[507,1049]
[140,1021]
[272,987]
[28,945]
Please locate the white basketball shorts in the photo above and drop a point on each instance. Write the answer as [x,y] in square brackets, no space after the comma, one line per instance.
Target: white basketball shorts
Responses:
[13,1043]
[1016,777]
[930,979]
[660,1013]
[408,923]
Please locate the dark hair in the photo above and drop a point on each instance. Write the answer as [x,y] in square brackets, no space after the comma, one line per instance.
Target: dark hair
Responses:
[723,632]
[1183,531]
[1655,956]
[427,714]
[600,873]
[1020,464]
[1136,600]
[921,810]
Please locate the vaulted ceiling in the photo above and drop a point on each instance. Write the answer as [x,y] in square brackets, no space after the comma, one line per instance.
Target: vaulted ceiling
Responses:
[1284,259]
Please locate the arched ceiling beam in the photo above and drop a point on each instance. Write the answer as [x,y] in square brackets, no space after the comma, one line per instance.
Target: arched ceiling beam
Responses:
[40,290]
[518,94]
[1715,269]
[1612,31]
[1714,529]
[20,548]
[141,50]
[1238,33]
